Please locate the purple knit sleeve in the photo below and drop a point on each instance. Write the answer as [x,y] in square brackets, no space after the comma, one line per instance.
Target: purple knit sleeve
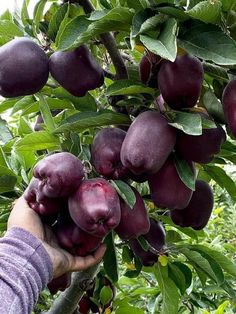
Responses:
[25,269]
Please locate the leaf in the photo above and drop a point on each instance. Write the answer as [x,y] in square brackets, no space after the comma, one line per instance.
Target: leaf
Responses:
[38,14]
[189,123]
[129,309]
[216,71]
[221,308]
[53,103]
[206,11]
[56,21]
[109,259]
[177,13]
[139,19]
[5,133]
[170,294]
[220,177]
[213,106]
[38,141]
[23,103]
[80,30]
[8,179]
[125,191]
[152,23]
[128,87]
[81,121]
[208,42]
[7,104]
[166,44]
[177,276]
[185,172]
[106,295]
[10,29]
[24,12]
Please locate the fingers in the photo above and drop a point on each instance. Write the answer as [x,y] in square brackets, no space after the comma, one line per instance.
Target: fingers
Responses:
[82,263]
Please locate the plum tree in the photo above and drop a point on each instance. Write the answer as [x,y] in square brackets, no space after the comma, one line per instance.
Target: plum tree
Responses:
[28,60]
[148,69]
[201,148]
[198,211]
[229,105]
[165,180]
[76,71]
[137,215]
[95,207]
[60,174]
[105,153]
[148,143]
[180,81]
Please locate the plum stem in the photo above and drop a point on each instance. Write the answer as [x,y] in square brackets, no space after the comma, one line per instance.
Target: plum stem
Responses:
[109,42]
[68,300]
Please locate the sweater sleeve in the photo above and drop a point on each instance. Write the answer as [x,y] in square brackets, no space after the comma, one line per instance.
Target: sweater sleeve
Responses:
[25,269]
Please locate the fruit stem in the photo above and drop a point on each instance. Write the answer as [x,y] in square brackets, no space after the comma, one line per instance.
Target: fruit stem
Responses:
[68,300]
[46,113]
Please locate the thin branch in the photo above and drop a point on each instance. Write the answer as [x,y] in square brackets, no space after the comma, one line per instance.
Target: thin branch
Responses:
[67,302]
[109,75]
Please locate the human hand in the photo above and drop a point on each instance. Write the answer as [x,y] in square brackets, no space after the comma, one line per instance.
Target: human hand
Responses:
[24,217]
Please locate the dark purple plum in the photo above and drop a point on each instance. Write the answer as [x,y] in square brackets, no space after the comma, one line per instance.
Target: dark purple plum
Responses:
[60,283]
[76,71]
[148,69]
[229,105]
[60,174]
[24,68]
[95,207]
[134,221]
[148,143]
[198,211]
[166,187]
[180,82]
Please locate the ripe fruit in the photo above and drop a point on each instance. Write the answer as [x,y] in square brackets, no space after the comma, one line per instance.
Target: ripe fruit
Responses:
[229,105]
[40,203]
[76,71]
[60,174]
[74,239]
[201,148]
[156,238]
[23,68]
[180,81]
[134,221]
[148,143]
[60,283]
[95,207]
[198,211]
[167,189]
[148,69]
[105,153]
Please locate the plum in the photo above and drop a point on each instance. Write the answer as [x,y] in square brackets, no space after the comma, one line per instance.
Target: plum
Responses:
[198,211]
[60,283]
[180,82]
[24,68]
[229,105]
[76,71]
[105,153]
[134,221]
[166,187]
[74,239]
[95,207]
[148,143]
[60,174]
[156,239]
[201,148]
[40,203]
[148,69]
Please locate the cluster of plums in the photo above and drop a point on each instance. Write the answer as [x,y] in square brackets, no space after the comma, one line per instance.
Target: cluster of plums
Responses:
[32,65]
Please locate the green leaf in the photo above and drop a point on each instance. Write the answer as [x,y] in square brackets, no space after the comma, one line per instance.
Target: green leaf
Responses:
[5,133]
[216,71]
[185,172]
[186,271]
[24,126]
[206,11]
[7,104]
[53,103]
[165,45]
[137,4]
[189,123]
[24,12]
[38,14]
[170,293]
[139,19]
[106,295]
[208,42]
[128,87]
[38,141]
[8,179]
[56,21]
[109,259]
[129,309]
[213,106]
[81,121]
[152,23]
[80,30]
[221,308]
[9,29]
[23,103]
[62,26]
[177,13]
[125,191]
[177,276]
[220,176]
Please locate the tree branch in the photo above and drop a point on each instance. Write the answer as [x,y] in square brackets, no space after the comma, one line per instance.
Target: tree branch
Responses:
[110,44]
[68,300]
